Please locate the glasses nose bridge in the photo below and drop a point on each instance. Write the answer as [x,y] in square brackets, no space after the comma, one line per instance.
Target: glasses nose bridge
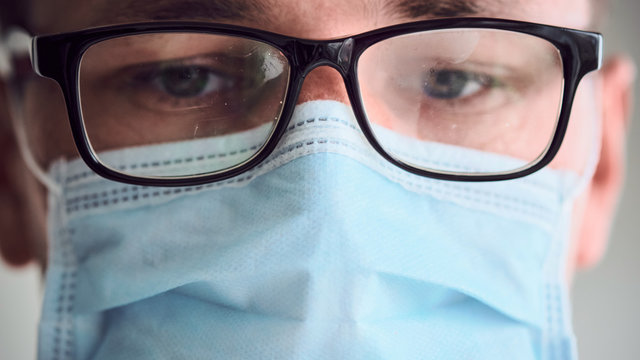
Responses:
[336,54]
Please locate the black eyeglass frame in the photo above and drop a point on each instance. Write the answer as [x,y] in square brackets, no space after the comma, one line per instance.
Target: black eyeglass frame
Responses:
[59,56]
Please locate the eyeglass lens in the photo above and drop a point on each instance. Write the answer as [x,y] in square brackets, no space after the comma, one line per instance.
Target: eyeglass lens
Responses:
[497,92]
[198,103]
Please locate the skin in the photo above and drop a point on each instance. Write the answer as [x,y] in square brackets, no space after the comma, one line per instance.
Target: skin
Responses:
[604,96]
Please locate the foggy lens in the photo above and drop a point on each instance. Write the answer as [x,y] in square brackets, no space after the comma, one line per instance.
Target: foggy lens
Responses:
[432,96]
[180,104]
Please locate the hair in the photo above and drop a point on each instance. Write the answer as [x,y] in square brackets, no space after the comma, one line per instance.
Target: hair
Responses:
[14,13]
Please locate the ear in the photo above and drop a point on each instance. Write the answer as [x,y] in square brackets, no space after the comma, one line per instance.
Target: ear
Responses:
[22,208]
[617,77]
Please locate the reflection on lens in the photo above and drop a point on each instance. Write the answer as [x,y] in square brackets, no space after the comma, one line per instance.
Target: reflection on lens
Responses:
[493,91]
[213,99]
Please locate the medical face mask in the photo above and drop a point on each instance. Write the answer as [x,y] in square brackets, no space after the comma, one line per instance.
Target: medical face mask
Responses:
[324,251]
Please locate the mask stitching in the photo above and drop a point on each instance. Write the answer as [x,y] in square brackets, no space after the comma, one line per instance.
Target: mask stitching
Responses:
[64,304]
[398,175]
[559,346]
[300,126]
[128,193]
[530,211]
[557,335]
[89,202]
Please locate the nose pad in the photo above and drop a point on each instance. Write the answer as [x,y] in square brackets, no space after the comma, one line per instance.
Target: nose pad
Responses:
[323,83]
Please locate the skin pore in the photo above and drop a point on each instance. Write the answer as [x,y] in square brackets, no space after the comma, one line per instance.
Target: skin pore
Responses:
[603,96]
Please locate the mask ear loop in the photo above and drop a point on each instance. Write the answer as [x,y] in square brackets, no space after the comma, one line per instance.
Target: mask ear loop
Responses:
[18,43]
[578,188]
[17,121]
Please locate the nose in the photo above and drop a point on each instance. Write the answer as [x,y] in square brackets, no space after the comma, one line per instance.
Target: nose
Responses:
[323,83]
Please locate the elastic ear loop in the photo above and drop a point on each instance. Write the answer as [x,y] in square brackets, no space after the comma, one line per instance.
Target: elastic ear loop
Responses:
[16,114]
[593,81]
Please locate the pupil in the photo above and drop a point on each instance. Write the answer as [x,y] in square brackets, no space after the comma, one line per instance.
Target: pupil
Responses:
[184,81]
[445,84]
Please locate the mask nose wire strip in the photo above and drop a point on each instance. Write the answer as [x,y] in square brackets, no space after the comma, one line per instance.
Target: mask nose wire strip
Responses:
[17,120]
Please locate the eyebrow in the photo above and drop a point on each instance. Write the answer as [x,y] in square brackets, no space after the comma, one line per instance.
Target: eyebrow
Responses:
[255,10]
[434,8]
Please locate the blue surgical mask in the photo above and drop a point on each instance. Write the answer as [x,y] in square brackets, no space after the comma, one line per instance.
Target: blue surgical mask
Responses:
[325,251]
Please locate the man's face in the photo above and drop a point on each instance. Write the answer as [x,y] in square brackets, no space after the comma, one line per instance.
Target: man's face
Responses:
[50,136]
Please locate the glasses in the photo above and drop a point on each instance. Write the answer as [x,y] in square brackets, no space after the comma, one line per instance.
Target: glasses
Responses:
[222,96]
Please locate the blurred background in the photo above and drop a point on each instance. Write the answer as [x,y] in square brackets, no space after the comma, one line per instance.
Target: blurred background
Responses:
[606,301]
[606,298]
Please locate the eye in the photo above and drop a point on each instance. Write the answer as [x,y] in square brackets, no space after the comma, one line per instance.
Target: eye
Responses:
[452,84]
[179,86]
[188,81]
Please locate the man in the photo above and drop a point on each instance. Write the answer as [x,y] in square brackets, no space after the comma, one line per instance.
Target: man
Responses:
[331,252]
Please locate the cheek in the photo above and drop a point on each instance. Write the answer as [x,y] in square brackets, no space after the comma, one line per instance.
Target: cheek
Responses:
[46,123]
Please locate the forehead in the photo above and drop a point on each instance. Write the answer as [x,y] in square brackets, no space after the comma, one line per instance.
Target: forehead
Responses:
[309,18]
